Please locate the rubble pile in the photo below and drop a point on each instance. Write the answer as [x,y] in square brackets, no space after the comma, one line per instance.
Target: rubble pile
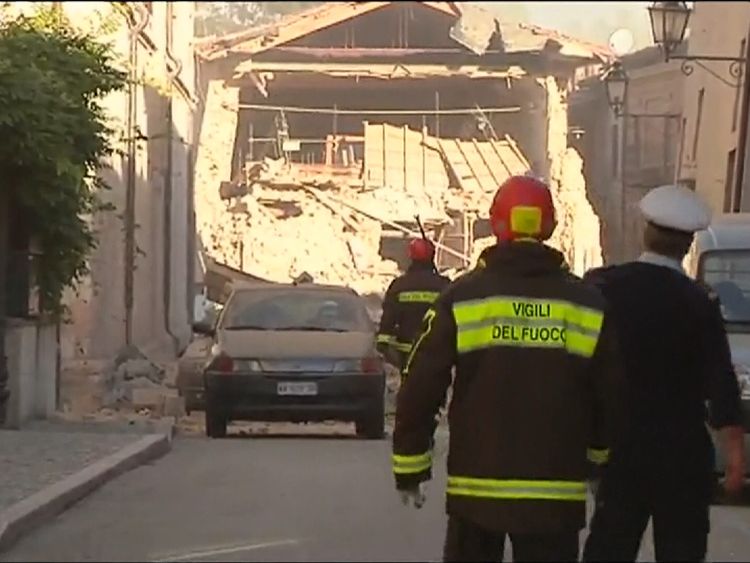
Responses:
[334,247]
[283,218]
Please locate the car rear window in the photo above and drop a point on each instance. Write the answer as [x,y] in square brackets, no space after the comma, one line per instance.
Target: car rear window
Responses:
[295,309]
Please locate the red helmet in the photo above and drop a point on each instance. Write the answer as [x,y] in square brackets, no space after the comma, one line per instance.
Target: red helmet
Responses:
[522,209]
[421,250]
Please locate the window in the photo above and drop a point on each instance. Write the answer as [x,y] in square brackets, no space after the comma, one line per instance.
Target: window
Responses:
[698,117]
[728,273]
[284,310]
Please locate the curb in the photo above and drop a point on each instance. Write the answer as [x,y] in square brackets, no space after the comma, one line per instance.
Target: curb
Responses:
[31,512]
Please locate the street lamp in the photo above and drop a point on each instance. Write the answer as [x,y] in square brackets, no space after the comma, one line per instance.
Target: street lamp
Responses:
[669,21]
[668,24]
[616,84]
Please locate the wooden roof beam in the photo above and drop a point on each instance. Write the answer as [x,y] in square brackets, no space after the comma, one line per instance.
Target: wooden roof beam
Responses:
[387,70]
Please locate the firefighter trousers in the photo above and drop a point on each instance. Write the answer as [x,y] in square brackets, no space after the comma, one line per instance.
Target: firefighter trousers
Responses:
[466,541]
[402,359]
[678,506]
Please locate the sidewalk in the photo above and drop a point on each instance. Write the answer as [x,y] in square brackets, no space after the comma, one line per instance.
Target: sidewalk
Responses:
[47,466]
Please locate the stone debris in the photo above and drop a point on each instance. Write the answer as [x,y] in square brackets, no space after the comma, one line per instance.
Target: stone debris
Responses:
[132,378]
[281,219]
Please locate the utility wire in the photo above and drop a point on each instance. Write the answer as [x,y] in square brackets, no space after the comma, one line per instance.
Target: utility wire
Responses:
[330,111]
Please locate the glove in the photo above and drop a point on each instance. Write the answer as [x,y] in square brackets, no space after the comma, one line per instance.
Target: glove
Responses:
[414,495]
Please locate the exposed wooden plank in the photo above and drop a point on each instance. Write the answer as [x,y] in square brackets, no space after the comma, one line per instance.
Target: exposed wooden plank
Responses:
[517,151]
[485,151]
[374,164]
[497,146]
[473,180]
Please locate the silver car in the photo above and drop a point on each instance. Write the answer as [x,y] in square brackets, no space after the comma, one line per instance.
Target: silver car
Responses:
[720,257]
[296,353]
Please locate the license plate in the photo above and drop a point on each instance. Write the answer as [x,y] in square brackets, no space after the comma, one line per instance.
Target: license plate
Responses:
[294,388]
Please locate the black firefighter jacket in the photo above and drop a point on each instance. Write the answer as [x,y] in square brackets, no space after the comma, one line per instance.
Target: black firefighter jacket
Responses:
[406,302]
[676,359]
[535,391]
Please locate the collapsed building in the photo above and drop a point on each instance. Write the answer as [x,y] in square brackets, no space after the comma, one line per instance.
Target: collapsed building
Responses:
[326,134]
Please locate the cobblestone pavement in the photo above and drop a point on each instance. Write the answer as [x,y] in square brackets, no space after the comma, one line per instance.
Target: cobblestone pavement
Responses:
[31,460]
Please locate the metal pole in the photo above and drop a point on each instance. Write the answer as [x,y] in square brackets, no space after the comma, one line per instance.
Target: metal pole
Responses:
[742,137]
[678,163]
[623,185]
[437,113]
[4,376]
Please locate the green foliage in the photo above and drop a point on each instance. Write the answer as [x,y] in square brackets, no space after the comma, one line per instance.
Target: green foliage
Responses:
[220,18]
[55,135]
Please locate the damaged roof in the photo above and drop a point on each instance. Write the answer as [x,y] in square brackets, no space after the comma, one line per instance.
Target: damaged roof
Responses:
[474,29]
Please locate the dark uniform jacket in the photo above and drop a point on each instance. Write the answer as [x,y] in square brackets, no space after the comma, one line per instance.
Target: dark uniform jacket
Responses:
[535,386]
[406,302]
[676,357]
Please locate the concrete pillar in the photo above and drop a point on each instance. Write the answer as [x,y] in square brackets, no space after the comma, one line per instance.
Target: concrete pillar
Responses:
[578,232]
[214,165]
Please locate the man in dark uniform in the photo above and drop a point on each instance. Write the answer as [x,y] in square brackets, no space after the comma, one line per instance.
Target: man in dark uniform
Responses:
[676,356]
[407,300]
[535,384]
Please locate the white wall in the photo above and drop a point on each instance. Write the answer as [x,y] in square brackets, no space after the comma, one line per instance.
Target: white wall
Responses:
[33,367]
[160,329]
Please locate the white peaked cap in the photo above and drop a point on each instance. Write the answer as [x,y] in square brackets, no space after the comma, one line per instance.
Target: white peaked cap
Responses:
[676,207]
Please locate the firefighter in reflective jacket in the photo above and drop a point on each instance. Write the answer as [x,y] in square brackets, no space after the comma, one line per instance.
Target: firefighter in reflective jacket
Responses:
[407,300]
[535,390]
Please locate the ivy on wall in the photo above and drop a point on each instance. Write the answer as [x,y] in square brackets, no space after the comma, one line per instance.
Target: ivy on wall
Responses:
[55,135]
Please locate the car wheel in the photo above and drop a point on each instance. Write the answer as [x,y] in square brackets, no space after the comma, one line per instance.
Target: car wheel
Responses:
[216,424]
[372,424]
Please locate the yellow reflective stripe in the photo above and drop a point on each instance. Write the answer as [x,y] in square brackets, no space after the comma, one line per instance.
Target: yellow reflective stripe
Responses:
[418,296]
[598,456]
[427,321]
[401,346]
[517,489]
[383,338]
[410,464]
[479,310]
[526,337]
[524,322]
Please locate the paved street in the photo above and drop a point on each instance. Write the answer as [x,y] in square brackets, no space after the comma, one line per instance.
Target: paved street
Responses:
[272,499]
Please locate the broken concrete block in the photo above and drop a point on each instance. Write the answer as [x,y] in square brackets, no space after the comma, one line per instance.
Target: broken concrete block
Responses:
[133,369]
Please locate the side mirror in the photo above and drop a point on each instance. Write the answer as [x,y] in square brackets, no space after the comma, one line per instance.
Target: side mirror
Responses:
[202,327]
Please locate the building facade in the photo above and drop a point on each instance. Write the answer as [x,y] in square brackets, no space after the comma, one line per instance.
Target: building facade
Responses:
[715,107]
[625,156]
[140,289]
